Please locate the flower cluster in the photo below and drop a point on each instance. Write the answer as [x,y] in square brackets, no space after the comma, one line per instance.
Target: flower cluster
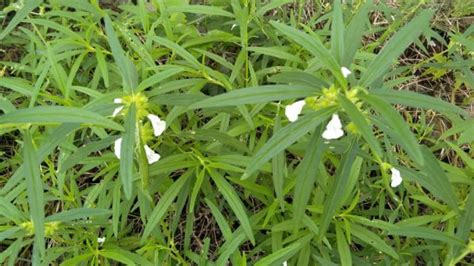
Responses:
[334,129]
[158,126]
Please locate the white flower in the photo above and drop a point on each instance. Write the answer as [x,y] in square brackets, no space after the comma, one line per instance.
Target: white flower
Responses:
[396,178]
[101,240]
[285,263]
[345,71]
[293,110]
[158,125]
[151,155]
[333,128]
[117,146]
[118,109]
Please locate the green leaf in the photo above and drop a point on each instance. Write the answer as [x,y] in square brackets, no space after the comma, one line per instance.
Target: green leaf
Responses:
[164,204]
[271,5]
[77,214]
[158,77]
[57,115]
[425,233]
[306,175]
[362,125]
[418,100]
[343,247]
[337,31]
[35,190]
[314,46]
[19,85]
[373,239]
[396,126]
[259,94]
[354,33]
[125,65]
[335,195]
[127,151]
[285,137]
[178,50]
[234,202]
[20,16]
[284,254]
[124,256]
[200,9]
[395,47]
[277,52]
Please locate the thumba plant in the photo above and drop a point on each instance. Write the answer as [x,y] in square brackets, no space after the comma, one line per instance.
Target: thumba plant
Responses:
[237,132]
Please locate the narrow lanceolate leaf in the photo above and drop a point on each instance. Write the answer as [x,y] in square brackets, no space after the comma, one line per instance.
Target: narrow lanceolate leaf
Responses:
[19,16]
[337,31]
[284,254]
[314,46]
[34,188]
[354,33]
[158,77]
[438,179]
[335,195]
[277,52]
[127,151]
[57,115]
[373,239]
[259,94]
[77,214]
[17,84]
[419,100]
[176,48]
[396,126]
[164,204]
[425,233]
[343,247]
[200,9]
[306,175]
[395,47]
[362,125]
[125,65]
[234,202]
[285,137]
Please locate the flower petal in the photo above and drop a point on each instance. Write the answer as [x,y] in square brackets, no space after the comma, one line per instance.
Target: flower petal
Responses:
[335,122]
[345,71]
[101,240]
[396,178]
[158,125]
[118,100]
[333,128]
[117,111]
[293,110]
[117,146]
[332,134]
[151,155]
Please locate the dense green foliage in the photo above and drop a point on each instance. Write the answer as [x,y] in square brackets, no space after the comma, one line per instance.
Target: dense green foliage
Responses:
[83,83]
